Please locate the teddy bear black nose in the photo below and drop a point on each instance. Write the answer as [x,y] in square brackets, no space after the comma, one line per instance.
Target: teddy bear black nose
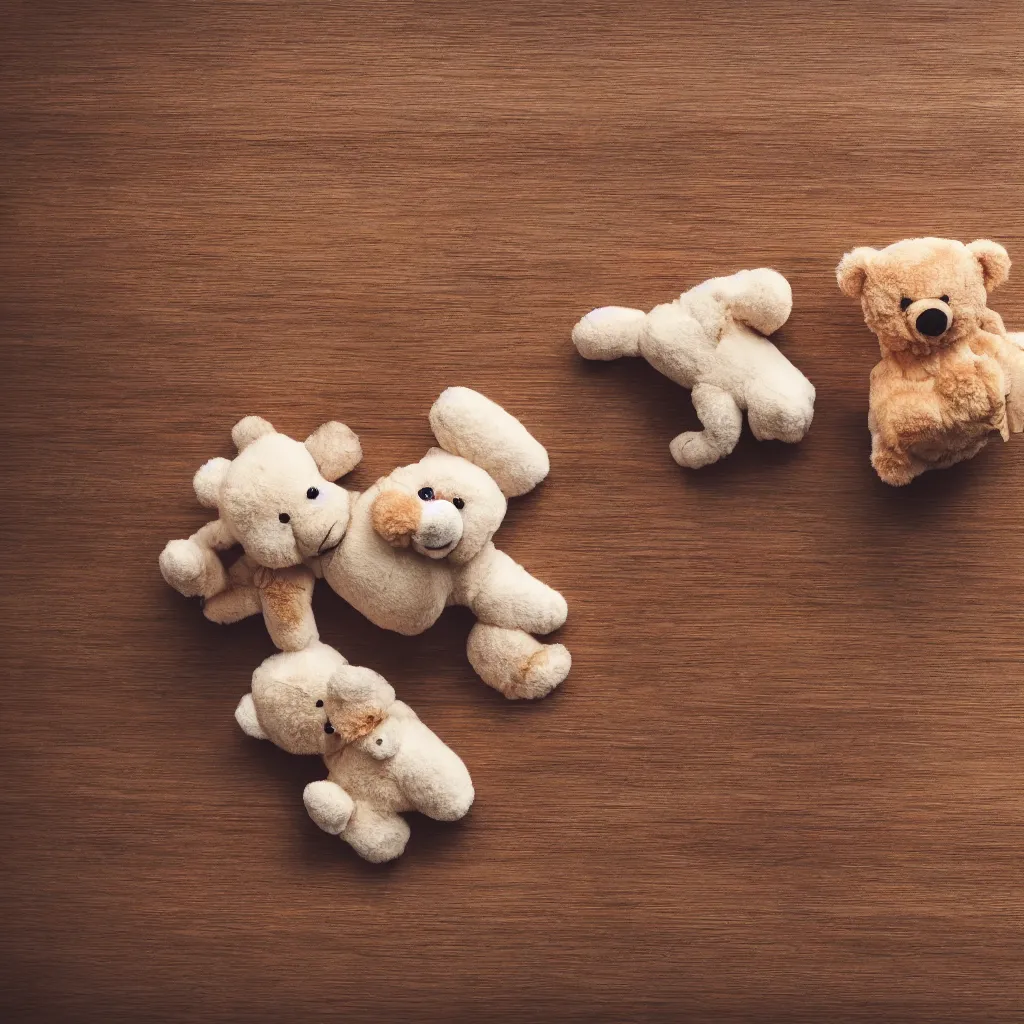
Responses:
[328,728]
[932,322]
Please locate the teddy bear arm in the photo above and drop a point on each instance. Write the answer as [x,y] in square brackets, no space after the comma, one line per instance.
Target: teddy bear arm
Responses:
[232,605]
[192,566]
[499,591]
[1007,352]
[972,394]
[722,420]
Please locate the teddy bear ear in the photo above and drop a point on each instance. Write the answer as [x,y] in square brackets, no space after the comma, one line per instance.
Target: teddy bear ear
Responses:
[353,683]
[994,260]
[852,271]
[467,424]
[335,449]
[208,479]
[247,430]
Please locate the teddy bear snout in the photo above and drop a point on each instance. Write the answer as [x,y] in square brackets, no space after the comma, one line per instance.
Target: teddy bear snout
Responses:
[929,317]
[932,321]
[440,528]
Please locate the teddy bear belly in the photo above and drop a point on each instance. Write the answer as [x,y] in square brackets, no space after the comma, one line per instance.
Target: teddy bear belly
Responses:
[405,594]
[744,355]
[370,781]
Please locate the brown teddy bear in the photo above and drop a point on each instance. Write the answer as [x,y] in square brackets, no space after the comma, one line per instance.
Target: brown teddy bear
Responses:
[950,377]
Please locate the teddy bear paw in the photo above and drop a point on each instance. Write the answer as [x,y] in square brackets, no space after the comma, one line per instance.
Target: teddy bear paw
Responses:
[892,469]
[544,670]
[692,451]
[328,805]
[183,566]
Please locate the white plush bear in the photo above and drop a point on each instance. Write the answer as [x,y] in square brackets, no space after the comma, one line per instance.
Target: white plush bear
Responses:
[712,340]
[381,759]
[276,500]
[419,540]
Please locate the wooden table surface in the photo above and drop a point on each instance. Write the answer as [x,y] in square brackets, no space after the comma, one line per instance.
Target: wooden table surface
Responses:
[783,780]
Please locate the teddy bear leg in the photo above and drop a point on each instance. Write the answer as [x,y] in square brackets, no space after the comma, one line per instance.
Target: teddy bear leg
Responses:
[893,465]
[609,332]
[514,663]
[374,836]
[722,420]
[328,805]
[286,596]
[774,416]
[761,298]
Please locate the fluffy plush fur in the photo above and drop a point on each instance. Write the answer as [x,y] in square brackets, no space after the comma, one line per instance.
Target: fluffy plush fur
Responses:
[940,390]
[712,340]
[381,759]
[420,540]
[277,501]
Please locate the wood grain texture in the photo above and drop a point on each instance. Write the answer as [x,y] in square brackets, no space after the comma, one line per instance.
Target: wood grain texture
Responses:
[783,781]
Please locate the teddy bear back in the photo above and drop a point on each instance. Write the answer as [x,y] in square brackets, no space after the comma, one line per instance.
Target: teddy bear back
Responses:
[470,425]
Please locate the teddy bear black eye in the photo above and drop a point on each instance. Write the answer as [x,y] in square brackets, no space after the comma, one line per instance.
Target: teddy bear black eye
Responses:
[905,302]
[312,493]
[319,703]
[425,494]
[944,298]
[458,503]
[328,728]
[284,517]
[380,743]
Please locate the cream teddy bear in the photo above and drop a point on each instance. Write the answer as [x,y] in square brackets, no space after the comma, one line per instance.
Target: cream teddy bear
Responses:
[712,340]
[950,377]
[419,540]
[381,759]
[276,500]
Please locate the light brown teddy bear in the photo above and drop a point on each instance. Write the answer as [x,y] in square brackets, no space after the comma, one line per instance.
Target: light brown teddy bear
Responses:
[419,540]
[950,377]
[381,759]
[277,501]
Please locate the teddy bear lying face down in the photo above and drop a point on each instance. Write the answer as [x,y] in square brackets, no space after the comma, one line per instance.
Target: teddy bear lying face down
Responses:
[940,391]
[419,540]
[277,501]
[381,759]
[712,340]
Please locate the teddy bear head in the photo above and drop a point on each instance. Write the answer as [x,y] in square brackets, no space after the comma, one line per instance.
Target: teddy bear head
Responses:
[451,502]
[276,496]
[313,701]
[923,294]
[442,506]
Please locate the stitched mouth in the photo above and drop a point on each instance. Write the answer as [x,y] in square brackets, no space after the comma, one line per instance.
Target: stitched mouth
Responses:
[324,546]
[437,547]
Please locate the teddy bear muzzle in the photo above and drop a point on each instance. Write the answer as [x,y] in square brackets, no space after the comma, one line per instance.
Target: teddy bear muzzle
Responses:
[930,318]
[439,530]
